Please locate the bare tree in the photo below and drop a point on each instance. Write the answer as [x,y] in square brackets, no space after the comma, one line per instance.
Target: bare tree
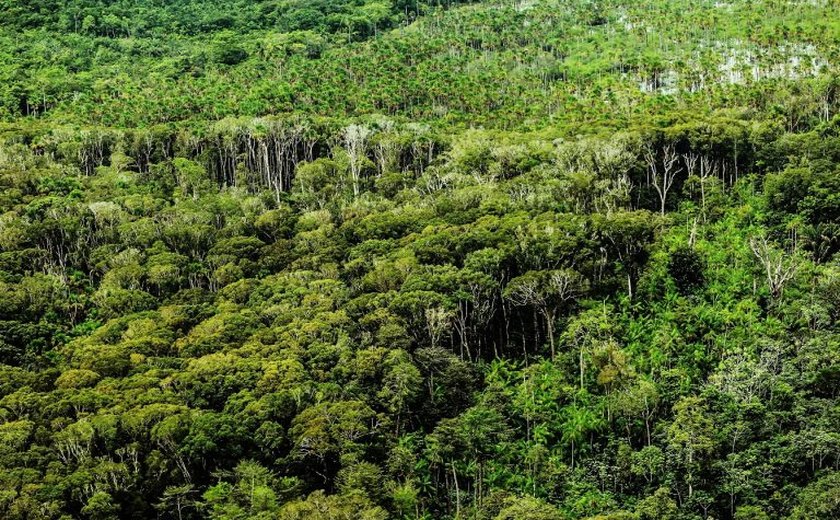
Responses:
[690,160]
[386,146]
[355,139]
[662,172]
[779,266]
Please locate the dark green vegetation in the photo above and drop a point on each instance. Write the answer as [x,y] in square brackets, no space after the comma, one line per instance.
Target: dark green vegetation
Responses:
[487,261]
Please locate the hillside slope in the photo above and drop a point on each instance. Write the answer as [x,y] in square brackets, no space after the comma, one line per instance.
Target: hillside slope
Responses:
[531,260]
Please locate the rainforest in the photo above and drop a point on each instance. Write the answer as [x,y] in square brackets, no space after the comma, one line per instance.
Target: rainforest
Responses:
[420,259]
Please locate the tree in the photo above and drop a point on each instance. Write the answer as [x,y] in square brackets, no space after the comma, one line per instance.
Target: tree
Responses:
[355,138]
[548,291]
[691,436]
[401,385]
[249,493]
[177,498]
[190,177]
[819,499]
[101,506]
[663,169]
[658,505]
[578,421]
[648,463]
[528,508]
[779,267]
[331,428]
[627,235]
[321,506]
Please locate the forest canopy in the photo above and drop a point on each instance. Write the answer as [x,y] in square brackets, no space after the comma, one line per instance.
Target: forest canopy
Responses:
[537,260]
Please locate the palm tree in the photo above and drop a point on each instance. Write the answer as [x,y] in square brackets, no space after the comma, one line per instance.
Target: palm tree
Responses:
[577,422]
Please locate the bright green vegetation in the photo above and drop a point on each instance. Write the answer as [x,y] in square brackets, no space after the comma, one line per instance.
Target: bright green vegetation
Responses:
[337,260]
[532,63]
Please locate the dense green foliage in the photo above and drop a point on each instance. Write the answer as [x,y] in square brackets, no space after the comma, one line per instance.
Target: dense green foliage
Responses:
[540,260]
